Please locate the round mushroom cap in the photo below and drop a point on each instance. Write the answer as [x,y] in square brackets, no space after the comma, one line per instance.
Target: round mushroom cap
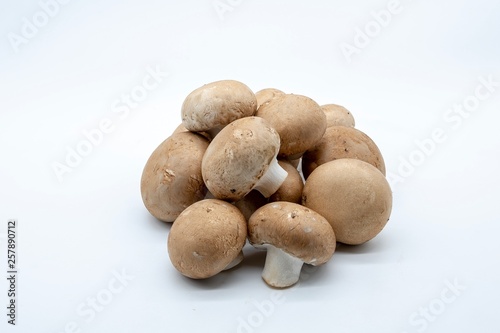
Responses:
[337,115]
[291,189]
[297,230]
[265,95]
[172,179]
[217,104]
[353,196]
[238,157]
[342,142]
[206,237]
[299,121]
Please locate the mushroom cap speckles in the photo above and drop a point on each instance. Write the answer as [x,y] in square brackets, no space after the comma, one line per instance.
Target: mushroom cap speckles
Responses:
[217,104]
[295,229]
[206,237]
[172,179]
[352,195]
[342,142]
[298,119]
[238,157]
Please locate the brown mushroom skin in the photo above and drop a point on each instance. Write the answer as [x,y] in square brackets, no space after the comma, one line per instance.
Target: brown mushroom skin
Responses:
[298,232]
[216,104]
[299,121]
[291,189]
[337,115]
[206,237]
[265,95]
[172,179]
[238,157]
[181,128]
[342,142]
[353,196]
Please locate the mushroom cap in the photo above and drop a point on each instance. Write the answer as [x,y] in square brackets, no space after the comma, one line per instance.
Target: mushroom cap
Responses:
[217,104]
[181,128]
[342,142]
[291,189]
[172,179]
[298,119]
[265,95]
[337,115]
[352,195]
[238,157]
[206,237]
[295,229]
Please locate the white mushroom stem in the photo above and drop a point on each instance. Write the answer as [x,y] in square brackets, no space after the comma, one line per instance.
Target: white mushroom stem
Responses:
[272,179]
[281,270]
[235,261]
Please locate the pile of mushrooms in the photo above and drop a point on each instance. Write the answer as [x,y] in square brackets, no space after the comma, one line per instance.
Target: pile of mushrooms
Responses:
[288,175]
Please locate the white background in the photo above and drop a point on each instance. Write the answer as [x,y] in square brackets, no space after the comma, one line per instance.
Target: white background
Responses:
[75,234]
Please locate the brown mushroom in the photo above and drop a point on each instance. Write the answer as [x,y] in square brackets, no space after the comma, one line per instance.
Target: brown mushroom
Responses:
[291,189]
[207,238]
[342,142]
[299,121]
[242,157]
[352,195]
[214,105]
[337,115]
[172,179]
[292,235]
[265,95]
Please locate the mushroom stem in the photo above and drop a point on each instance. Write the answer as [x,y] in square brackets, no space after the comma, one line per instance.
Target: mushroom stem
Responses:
[281,270]
[235,261]
[272,179]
